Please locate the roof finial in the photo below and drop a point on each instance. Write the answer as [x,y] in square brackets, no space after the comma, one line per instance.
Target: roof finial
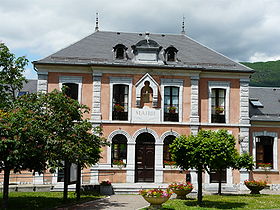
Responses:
[183,26]
[96,23]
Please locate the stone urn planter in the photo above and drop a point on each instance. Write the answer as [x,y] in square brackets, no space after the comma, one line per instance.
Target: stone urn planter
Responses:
[181,190]
[155,197]
[156,202]
[255,186]
[181,194]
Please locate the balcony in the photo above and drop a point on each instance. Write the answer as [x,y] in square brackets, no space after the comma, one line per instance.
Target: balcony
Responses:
[122,116]
[172,117]
[218,118]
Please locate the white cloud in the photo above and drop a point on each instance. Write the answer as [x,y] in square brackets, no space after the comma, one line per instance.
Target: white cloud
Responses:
[257,57]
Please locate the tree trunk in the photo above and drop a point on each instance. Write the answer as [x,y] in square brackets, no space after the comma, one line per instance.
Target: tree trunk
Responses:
[6,188]
[220,182]
[199,182]
[78,183]
[66,179]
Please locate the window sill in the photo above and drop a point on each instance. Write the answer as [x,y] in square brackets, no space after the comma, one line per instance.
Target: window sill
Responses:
[266,170]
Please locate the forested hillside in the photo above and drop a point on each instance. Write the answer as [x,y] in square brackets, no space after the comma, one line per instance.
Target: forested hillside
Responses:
[267,73]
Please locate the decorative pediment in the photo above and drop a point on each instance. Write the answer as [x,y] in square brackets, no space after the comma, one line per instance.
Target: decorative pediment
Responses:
[147,80]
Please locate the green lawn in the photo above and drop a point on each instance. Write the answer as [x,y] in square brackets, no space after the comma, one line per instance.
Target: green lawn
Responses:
[227,202]
[42,200]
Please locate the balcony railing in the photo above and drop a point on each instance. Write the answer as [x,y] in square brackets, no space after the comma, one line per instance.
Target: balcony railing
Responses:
[172,117]
[218,118]
[123,116]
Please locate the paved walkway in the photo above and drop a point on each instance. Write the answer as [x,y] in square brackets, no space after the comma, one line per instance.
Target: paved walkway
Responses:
[114,202]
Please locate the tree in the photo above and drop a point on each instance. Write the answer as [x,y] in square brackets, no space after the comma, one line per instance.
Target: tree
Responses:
[71,139]
[11,76]
[22,139]
[208,150]
[193,152]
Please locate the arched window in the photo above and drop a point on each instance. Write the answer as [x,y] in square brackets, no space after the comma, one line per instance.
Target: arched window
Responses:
[146,94]
[119,50]
[166,154]
[119,148]
[170,54]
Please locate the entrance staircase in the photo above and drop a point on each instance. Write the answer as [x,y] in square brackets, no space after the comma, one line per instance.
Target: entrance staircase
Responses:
[133,188]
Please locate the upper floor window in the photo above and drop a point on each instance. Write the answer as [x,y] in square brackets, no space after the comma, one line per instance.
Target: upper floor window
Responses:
[264,151]
[120,102]
[218,100]
[119,149]
[171,103]
[170,54]
[166,154]
[119,50]
[72,90]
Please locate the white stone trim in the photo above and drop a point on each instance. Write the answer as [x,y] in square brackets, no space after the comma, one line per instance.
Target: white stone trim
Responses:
[194,116]
[72,79]
[175,83]
[42,83]
[244,101]
[96,96]
[275,146]
[141,83]
[145,130]
[244,140]
[168,133]
[121,81]
[221,85]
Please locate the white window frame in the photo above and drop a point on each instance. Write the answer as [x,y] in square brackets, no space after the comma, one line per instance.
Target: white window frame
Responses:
[174,83]
[72,79]
[121,81]
[275,145]
[220,85]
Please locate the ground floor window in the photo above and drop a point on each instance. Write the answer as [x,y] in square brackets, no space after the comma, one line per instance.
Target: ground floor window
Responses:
[166,154]
[214,176]
[119,149]
[264,151]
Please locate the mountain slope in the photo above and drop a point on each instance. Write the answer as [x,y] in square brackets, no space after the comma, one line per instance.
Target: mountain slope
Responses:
[267,73]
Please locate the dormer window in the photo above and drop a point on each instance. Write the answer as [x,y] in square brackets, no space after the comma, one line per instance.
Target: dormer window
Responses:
[119,51]
[170,54]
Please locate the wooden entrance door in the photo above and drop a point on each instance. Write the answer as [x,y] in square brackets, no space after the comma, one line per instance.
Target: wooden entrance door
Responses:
[145,158]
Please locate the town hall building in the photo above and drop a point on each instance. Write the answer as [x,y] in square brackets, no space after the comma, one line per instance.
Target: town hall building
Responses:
[146,89]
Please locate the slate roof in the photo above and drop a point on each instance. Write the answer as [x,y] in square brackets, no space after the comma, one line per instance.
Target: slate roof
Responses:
[270,99]
[97,49]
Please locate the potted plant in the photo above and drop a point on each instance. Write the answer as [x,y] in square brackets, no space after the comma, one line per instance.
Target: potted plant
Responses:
[171,164]
[265,166]
[181,189]
[156,197]
[255,186]
[118,108]
[219,110]
[119,163]
[106,188]
[172,109]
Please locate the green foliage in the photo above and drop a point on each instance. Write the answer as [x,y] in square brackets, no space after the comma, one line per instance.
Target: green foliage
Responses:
[11,76]
[68,132]
[245,161]
[23,136]
[267,73]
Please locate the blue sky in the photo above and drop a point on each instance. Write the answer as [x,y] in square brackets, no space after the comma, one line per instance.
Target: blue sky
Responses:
[242,30]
